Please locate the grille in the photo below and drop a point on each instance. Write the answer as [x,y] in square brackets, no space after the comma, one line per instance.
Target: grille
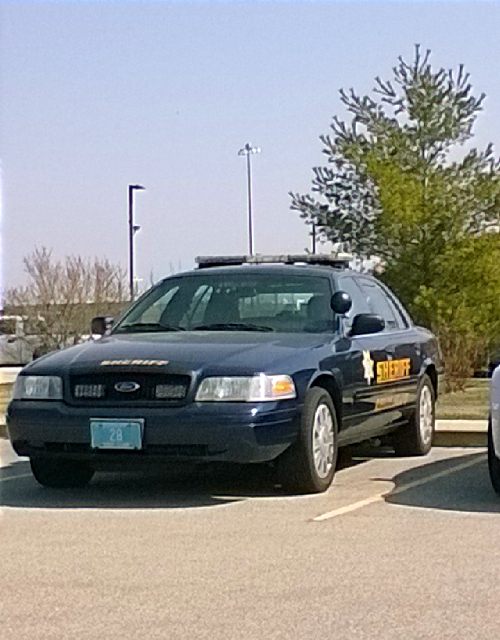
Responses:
[89,391]
[145,387]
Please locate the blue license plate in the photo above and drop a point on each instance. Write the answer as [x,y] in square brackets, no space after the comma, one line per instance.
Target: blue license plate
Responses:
[116,434]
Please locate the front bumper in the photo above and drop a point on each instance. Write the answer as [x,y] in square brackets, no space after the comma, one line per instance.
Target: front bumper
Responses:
[223,432]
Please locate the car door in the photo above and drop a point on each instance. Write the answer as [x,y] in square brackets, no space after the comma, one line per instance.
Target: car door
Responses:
[396,356]
[384,366]
[361,394]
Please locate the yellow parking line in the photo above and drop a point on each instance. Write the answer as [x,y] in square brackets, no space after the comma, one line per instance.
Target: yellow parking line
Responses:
[350,507]
[405,487]
[21,475]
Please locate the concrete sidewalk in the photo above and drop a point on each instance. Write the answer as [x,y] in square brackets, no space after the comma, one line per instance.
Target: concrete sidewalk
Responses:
[8,375]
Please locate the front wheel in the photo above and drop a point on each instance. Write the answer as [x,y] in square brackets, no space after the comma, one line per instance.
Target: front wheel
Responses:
[493,461]
[415,437]
[308,466]
[61,474]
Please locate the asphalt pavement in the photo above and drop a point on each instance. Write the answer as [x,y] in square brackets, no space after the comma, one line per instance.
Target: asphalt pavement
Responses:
[397,548]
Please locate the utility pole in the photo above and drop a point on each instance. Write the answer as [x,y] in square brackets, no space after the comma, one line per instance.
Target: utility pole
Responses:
[132,230]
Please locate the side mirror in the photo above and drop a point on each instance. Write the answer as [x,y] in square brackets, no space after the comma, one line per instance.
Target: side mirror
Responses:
[365,323]
[340,302]
[100,325]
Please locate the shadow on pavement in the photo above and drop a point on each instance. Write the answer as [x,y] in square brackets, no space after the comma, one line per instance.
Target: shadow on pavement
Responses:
[455,484]
[213,485]
[139,490]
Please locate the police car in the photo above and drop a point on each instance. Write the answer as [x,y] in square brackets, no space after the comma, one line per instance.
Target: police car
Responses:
[248,359]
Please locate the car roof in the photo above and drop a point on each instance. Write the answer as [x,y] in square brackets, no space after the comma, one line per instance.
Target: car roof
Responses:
[270,269]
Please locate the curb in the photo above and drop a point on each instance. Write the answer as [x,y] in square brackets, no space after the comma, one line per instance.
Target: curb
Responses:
[461,433]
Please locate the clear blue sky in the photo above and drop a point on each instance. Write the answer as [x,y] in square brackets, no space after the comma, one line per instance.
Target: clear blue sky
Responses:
[95,96]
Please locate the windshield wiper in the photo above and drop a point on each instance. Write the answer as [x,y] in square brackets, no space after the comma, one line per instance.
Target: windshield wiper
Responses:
[149,326]
[231,326]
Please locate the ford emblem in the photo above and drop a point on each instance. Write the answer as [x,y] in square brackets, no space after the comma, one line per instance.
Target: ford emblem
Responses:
[127,387]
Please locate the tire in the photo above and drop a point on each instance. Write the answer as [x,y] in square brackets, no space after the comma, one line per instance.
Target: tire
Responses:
[493,461]
[61,474]
[415,437]
[308,466]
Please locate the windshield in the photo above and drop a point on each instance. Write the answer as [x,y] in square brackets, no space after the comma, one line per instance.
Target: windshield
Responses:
[234,302]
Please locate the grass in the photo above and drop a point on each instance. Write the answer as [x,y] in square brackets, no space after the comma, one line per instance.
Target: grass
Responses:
[471,404]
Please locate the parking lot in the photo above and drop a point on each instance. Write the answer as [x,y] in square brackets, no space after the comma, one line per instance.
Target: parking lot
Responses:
[396,548]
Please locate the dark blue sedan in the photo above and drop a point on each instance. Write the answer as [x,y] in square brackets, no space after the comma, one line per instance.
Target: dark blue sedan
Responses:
[247,360]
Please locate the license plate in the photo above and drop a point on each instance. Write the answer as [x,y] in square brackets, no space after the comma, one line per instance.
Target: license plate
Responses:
[116,434]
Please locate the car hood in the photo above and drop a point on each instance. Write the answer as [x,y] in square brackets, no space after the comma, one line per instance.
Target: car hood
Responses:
[224,352]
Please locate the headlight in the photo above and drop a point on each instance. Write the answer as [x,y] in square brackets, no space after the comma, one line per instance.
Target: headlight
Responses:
[259,388]
[38,388]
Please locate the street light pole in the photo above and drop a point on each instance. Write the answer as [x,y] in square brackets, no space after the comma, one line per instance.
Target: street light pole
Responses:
[247,151]
[132,230]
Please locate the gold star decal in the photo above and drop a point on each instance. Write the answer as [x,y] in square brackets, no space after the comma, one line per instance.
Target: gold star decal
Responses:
[368,366]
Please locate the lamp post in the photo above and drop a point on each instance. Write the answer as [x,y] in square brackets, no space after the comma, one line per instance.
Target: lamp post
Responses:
[313,234]
[247,151]
[132,230]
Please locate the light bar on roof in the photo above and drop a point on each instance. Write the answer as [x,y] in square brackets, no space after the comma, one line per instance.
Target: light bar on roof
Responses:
[327,259]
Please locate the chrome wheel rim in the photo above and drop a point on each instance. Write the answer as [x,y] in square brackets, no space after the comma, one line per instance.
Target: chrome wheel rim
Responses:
[426,415]
[323,437]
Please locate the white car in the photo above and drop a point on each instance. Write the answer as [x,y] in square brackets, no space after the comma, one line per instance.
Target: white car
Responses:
[15,347]
[494,431]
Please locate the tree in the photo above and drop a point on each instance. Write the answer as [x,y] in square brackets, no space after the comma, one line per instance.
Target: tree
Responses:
[464,305]
[61,297]
[351,210]
[394,188]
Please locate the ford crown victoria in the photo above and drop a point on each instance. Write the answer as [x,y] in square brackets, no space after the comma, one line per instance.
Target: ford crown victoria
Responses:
[254,359]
